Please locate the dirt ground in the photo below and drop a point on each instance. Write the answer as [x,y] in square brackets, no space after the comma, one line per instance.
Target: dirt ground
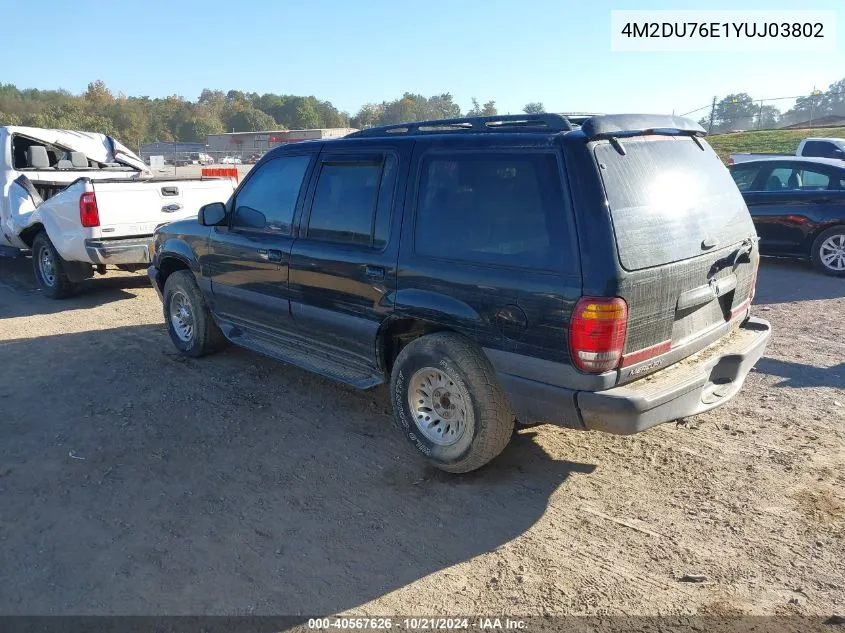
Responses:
[135,481]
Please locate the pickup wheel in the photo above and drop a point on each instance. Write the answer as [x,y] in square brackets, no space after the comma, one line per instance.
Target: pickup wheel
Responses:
[189,322]
[448,403]
[49,269]
[828,251]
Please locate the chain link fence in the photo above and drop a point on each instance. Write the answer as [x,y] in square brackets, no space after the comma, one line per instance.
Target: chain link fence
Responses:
[173,158]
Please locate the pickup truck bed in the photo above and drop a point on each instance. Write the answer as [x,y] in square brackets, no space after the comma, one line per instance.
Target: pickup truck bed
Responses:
[122,214]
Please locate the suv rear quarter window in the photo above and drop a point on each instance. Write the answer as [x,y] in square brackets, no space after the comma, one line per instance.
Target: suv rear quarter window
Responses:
[502,209]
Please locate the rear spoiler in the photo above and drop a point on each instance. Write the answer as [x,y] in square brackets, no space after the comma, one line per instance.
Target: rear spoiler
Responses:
[618,125]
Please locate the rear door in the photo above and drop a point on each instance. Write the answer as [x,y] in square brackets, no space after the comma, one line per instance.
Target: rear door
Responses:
[685,242]
[489,248]
[136,208]
[343,265]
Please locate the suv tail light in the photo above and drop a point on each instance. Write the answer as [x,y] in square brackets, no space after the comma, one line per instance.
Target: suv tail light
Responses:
[597,333]
[89,214]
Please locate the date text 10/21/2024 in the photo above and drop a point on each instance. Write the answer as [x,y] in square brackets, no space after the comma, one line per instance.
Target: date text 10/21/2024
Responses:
[417,624]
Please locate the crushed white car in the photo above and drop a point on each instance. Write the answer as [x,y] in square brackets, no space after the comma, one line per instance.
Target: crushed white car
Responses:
[81,201]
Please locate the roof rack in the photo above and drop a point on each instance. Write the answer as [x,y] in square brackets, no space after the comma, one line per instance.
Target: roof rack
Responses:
[542,122]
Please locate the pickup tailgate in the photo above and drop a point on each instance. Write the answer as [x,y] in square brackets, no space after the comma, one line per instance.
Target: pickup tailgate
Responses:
[134,209]
[686,244]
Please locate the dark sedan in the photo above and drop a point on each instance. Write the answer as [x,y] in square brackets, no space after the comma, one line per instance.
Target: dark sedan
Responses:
[798,208]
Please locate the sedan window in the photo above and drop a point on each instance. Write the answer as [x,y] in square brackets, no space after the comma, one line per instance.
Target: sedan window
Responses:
[796,179]
[744,175]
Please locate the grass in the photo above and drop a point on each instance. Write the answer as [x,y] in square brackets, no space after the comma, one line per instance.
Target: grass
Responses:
[767,141]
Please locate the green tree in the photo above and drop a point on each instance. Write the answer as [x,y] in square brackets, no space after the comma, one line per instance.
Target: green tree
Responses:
[535,107]
[442,107]
[98,94]
[735,112]
[248,119]
[370,115]
[767,117]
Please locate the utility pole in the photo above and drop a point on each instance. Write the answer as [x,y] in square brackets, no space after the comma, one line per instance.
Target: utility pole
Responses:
[760,116]
[712,114]
[812,106]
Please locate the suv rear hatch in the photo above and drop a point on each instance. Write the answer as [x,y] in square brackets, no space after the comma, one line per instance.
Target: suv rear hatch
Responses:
[685,242]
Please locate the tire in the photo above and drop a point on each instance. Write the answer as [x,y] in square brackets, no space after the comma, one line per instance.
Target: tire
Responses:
[827,244]
[49,269]
[189,321]
[460,419]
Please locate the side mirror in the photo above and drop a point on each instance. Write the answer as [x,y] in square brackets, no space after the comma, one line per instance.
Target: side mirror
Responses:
[838,153]
[212,214]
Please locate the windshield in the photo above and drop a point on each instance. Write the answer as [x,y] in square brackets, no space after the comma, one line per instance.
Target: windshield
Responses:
[666,196]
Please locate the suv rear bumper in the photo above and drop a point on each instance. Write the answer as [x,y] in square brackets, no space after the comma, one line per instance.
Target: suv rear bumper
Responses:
[698,383]
[135,250]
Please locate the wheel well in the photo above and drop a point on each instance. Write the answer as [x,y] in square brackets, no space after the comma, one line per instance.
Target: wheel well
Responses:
[29,233]
[397,333]
[167,267]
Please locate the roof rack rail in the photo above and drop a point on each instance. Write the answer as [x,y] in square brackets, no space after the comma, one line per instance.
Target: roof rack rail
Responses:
[541,122]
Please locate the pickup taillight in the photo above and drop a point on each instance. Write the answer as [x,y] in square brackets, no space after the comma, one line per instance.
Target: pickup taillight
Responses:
[89,214]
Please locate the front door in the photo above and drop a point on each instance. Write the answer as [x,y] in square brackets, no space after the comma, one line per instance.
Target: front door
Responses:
[247,260]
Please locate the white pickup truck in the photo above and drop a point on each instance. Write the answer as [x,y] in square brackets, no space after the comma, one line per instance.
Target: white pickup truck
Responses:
[809,147]
[81,201]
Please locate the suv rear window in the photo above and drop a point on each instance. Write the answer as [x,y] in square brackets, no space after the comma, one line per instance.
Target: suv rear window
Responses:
[666,196]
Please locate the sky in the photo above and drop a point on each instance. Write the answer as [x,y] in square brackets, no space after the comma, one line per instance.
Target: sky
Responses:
[359,51]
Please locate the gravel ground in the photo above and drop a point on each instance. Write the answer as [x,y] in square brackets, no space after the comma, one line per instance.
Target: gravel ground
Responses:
[135,481]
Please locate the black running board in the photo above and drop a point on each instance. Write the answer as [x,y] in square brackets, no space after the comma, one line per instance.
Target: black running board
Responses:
[306,354]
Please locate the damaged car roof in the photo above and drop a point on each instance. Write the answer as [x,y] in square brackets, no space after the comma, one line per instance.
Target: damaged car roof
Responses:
[101,148]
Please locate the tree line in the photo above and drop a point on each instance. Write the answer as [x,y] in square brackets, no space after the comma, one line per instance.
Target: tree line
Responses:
[740,111]
[133,120]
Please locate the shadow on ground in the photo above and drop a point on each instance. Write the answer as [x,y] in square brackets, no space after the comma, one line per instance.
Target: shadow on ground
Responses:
[799,375]
[134,480]
[16,274]
[786,280]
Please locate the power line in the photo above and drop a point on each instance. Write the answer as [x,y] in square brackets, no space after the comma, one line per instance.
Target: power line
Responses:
[763,100]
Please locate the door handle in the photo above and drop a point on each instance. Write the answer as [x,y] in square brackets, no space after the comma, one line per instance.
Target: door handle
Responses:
[375,272]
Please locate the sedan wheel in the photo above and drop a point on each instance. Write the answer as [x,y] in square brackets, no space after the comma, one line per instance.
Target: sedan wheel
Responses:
[832,252]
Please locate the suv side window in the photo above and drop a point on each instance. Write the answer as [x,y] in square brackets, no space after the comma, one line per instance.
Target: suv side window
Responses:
[504,209]
[267,200]
[352,201]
